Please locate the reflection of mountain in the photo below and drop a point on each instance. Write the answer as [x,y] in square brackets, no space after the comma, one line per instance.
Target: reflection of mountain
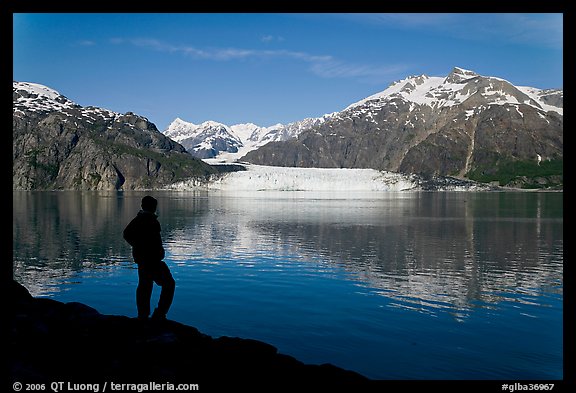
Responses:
[431,252]
[69,231]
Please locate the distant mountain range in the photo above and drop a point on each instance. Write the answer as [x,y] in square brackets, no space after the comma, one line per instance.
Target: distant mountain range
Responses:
[463,125]
[211,139]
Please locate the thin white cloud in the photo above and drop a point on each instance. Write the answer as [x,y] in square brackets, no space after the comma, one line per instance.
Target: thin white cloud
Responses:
[85,43]
[271,38]
[325,66]
[224,54]
[366,73]
[410,20]
[545,29]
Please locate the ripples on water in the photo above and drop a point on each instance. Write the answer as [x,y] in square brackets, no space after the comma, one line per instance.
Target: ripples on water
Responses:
[395,286]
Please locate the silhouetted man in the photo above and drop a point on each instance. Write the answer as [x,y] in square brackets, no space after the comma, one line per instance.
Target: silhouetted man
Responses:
[143,234]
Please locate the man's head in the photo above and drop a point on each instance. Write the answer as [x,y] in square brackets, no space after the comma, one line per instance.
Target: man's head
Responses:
[149,204]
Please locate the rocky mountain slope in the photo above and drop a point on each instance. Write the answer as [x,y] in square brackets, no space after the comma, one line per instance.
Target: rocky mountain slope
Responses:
[464,125]
[58,144]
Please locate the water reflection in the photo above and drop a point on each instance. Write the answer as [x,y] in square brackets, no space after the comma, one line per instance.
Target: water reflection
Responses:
[393,285]
[431,252]
[59,233]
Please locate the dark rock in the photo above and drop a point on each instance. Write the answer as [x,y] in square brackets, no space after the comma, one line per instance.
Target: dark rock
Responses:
[54,341]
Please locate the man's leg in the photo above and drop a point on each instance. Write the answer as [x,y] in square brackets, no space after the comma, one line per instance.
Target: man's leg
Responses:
[164,278]
[144,292]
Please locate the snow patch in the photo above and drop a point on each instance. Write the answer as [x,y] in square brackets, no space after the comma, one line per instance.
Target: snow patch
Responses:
[37,89]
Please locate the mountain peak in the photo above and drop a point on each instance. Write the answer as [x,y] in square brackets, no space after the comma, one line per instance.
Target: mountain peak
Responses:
[36,89]
[212,124]
[37,97]
[459,75]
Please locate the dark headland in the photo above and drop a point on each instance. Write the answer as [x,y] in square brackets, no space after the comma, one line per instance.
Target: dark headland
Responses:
[52,341]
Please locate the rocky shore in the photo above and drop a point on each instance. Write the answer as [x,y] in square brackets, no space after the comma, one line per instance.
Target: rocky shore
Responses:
[51,341]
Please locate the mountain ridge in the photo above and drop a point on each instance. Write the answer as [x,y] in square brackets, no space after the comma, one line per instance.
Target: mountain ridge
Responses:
[425,106]
[58,144]
[463,125]
[211,139]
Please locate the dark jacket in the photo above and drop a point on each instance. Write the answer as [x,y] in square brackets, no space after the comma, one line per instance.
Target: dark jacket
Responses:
[143,234]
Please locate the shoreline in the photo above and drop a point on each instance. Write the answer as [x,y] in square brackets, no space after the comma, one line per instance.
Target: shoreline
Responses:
[54,341]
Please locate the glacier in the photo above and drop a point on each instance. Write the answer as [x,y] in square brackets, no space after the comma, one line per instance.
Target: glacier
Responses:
[258,178]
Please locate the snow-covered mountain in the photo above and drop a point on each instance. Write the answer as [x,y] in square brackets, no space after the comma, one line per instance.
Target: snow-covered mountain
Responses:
[211,139]
[463,125]
[469,92]
[39,98]
[58,144]
[459,87]
[204,140]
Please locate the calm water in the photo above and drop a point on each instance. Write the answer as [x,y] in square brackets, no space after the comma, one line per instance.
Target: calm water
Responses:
[409,285]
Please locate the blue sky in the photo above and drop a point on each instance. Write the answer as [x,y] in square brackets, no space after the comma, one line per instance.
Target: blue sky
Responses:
[271,68]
